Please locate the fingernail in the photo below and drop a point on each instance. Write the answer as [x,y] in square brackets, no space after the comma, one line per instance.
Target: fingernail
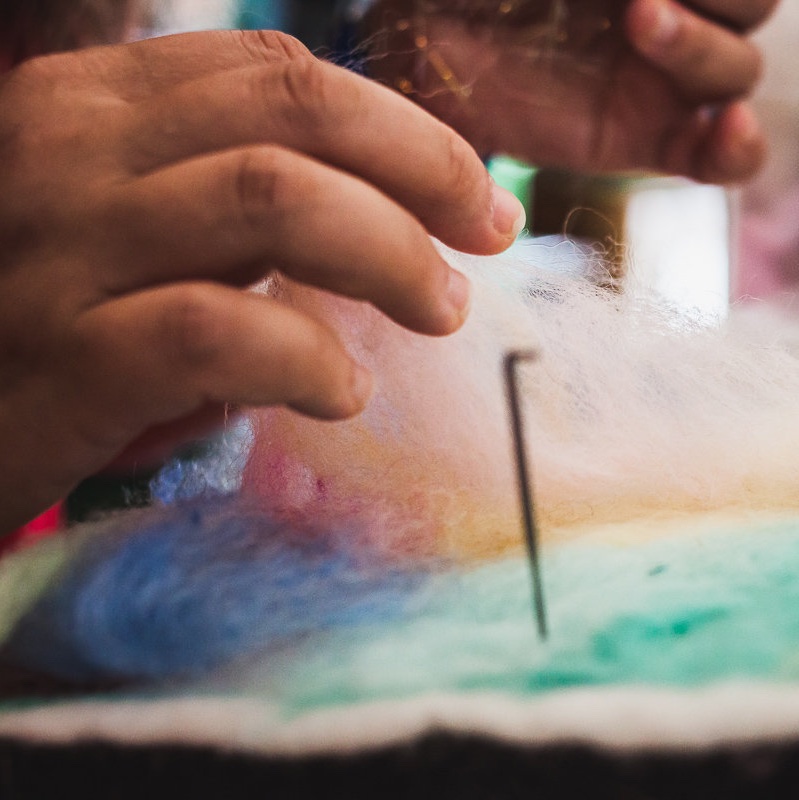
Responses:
[508,212]
[665,24]
[459,292]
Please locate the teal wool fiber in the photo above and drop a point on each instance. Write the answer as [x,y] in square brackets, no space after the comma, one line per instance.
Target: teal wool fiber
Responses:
[683,611]
[244,605]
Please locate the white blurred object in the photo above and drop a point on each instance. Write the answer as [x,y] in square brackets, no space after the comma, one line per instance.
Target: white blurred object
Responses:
[175,16]
[679,238]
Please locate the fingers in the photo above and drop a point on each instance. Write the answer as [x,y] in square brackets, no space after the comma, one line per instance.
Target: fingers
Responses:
[354,124]
[707,61]
[168,353]
[726,146]
[244,211]
[741,14]
[734,148]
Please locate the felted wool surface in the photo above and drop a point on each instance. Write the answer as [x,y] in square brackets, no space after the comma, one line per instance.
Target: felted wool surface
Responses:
[632,410]
[343,586]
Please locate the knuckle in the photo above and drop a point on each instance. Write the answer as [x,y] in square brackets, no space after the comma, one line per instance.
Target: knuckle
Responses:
[309,93]
[260,185]
[269,46]
[196,329]
[282,43]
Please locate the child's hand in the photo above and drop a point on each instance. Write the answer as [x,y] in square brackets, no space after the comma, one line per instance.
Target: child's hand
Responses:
[635,84]
[144,185]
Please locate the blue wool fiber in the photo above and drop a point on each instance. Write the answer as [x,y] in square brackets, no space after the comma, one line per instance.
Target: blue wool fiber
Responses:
[187,589]
[216,470]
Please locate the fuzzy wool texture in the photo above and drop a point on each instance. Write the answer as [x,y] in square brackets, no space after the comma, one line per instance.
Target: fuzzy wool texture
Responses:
[181,592]
[633,410]
[320,565]
[680,611]
[708,605]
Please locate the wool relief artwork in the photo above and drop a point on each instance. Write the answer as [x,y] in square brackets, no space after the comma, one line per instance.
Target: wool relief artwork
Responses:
[308,576]
[310,587]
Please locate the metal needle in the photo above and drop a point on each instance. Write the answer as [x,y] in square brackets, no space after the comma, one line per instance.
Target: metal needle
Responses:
[512,359]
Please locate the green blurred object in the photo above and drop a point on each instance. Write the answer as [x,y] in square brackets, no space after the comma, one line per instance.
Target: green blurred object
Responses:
[261,15]
[518,178]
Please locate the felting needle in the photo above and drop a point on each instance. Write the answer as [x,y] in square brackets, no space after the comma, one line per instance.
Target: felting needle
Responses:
[512,359]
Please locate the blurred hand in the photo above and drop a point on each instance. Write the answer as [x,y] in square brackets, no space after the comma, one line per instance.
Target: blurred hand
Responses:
[618,85]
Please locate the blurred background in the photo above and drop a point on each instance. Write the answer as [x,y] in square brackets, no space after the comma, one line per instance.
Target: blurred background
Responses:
[702,247]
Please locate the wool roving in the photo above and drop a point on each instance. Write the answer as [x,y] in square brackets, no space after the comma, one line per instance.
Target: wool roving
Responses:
[392,542]
[633,410]
[703,603]
[183,591]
